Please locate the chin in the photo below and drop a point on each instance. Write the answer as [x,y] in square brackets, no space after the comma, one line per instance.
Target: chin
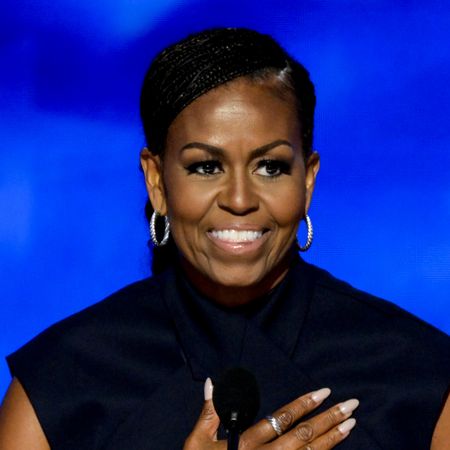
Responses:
[240,276]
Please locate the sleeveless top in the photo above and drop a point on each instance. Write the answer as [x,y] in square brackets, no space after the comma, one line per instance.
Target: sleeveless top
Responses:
[128,372]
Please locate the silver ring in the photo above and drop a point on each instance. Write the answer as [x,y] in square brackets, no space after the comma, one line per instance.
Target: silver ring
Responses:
[275,424]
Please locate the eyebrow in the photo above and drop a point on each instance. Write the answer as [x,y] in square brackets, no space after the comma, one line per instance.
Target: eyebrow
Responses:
[219,152]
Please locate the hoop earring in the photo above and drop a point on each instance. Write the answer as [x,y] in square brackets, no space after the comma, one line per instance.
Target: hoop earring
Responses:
[165,238]
[310,236]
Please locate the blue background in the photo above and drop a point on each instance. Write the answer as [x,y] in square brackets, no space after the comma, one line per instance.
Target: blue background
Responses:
[72,227]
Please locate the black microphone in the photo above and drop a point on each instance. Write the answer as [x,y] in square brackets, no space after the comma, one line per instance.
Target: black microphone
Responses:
[236,400]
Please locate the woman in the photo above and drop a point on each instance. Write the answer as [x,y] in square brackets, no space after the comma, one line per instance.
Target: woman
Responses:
[230,172]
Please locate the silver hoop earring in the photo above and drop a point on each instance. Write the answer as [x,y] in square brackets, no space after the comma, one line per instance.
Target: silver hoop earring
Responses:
[310,236]
[165,238]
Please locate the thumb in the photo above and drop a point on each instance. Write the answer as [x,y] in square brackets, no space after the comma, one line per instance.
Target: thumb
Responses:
[209,421]
[205,430]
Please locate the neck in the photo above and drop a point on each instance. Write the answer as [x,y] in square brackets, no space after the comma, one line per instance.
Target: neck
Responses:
[235,296]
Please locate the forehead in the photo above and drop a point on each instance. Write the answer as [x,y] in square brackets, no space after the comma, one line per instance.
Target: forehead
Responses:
[241,110]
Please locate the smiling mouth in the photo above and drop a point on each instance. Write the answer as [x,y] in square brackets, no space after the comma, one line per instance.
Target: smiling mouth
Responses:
[236,236]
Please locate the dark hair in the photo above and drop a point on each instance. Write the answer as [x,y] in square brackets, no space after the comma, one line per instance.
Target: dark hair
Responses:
[188,69]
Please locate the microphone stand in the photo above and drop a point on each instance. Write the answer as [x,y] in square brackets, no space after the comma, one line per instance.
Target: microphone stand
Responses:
[236,400]
[233,432]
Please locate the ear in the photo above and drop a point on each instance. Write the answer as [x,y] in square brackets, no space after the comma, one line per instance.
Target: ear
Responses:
[152,168]
[311,171]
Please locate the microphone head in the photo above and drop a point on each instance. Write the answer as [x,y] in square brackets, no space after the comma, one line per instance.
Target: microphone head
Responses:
[236,398]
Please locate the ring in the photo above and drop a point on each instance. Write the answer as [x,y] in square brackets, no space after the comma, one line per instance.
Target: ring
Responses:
[275,424]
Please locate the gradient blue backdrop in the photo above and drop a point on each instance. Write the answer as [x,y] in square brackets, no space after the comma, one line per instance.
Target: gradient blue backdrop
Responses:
[71,196]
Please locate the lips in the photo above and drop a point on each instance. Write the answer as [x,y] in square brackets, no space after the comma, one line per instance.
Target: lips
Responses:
[236,236]
[239,241]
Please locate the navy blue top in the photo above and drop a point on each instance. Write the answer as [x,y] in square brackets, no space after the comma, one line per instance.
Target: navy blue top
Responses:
[128,372]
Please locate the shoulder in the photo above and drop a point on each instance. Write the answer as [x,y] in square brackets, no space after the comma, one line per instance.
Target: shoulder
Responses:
[128,305]
[99,363]
[339,293]
[372,323]
[122,316]
[125,304]
[395,363]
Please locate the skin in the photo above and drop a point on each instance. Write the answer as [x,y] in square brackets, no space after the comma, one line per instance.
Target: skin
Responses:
[20,428]
[441,435]
[239,193]
[19,425]
[244,142]
[318,433]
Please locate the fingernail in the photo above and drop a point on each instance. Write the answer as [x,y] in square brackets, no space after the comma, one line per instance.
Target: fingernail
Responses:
[349,406]
[321,394]
[345,427]
[208,389]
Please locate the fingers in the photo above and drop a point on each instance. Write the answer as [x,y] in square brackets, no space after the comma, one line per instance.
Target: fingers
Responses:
[286,416]
[204,434]
[330,439]
[323,431]
[301,407]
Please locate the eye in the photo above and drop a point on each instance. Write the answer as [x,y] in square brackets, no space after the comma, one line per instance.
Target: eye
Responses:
[272,168]
[208,167]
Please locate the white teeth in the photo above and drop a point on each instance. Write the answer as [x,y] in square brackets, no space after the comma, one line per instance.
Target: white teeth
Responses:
[236,236]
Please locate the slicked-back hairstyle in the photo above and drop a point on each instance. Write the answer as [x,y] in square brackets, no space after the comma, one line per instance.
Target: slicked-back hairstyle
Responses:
[193,66]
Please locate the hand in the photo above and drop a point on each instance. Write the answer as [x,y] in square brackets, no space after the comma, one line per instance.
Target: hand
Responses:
[321,432]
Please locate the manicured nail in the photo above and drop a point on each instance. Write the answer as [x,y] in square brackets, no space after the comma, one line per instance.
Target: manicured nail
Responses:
[321,394]
[349,406]
[345,427]
[208,389]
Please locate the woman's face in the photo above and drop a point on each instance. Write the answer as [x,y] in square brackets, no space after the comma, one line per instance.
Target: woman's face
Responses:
[234,184]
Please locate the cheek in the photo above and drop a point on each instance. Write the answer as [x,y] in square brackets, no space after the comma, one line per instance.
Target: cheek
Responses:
[187,202]
[287,206]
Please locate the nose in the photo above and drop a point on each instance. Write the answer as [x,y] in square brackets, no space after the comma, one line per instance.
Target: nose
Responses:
[239,195]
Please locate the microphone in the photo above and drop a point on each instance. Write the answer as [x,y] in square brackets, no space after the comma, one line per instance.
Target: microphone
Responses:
[236,400]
